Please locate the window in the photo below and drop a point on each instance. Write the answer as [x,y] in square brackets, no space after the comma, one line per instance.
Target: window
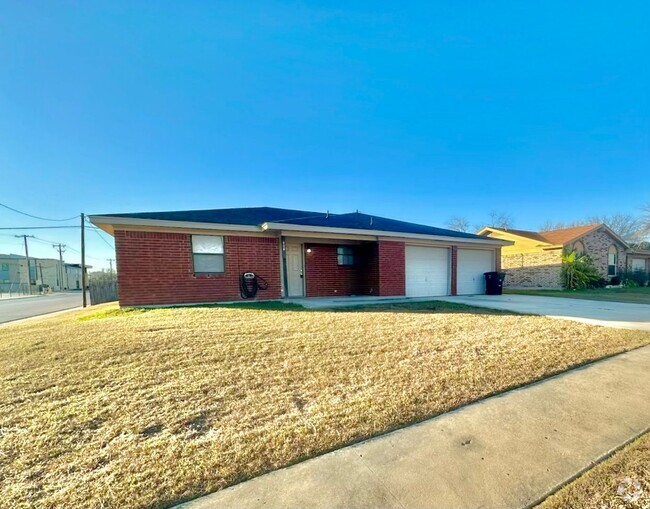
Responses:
[612,260]
[5,267]
[345,255]
[207,253]
[579,248]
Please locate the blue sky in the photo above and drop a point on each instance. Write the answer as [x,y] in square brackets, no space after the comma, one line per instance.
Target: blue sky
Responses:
[414,111]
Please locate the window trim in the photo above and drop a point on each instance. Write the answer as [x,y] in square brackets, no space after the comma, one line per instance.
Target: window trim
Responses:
[615,264]
[350,255]
[222,255]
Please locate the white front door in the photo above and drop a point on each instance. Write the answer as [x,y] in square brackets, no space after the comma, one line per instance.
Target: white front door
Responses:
[427,271]
[472,266]
[295,286]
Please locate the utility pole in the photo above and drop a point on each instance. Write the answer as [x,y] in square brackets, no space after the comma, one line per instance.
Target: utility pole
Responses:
[29,277]
[83,259]
[110,263]
[61,249]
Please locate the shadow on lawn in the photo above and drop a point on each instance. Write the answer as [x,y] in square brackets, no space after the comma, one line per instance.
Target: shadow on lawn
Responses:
[432,307]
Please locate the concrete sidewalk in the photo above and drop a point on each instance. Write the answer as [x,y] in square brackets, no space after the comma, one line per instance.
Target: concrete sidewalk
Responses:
[508,451]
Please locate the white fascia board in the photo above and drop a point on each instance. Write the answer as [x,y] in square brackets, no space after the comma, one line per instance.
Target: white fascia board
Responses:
[133,221]
[379,233]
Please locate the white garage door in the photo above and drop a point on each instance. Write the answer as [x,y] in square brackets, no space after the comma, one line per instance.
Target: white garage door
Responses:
[472,264]
[427,271]
[638,264]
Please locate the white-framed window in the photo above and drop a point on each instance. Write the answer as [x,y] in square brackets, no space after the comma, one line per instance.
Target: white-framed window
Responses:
[612,260]
[208,254]
[345,255]
[579,247]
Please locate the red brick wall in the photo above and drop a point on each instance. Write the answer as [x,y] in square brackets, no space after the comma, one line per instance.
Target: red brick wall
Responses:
[392,268]
[156,268]
[325,278]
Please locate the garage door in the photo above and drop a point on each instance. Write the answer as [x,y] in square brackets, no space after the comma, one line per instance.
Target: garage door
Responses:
[472,264]
[427,271]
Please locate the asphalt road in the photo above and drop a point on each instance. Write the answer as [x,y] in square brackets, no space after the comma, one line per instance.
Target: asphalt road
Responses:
[25,307]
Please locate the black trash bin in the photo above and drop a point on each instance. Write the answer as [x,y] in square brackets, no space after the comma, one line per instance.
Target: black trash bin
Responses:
[494,283]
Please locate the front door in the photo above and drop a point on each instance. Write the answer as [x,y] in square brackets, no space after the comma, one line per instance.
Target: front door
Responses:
[295,275]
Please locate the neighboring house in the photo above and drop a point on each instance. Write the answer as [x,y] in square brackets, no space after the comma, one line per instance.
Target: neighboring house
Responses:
[43,272]
[535,259]
[639,259]
[200,256]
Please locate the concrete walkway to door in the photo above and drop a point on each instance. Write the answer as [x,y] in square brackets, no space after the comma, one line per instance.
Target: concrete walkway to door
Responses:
[508,451]
[610,314]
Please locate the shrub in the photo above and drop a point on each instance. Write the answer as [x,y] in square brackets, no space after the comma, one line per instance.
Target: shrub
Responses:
[578,271]
[634,278]
[601,282]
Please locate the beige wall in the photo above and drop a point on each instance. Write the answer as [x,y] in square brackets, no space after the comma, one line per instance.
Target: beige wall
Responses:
[541,269]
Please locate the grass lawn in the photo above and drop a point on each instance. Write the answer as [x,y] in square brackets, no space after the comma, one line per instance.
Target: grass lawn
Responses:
[632,295]
[145,409]
[620,481]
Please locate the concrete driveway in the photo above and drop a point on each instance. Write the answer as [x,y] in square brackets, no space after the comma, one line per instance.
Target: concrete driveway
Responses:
[610,314]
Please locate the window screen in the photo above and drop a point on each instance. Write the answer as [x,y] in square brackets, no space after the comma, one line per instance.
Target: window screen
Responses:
[345,255]
[207,253]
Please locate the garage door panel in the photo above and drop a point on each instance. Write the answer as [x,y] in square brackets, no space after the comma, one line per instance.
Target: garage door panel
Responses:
[427,271]
[472,265]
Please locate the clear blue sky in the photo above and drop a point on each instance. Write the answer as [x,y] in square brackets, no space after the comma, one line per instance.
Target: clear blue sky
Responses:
[413,111]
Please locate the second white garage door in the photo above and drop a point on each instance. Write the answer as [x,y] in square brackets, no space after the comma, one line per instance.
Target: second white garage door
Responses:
[472,265]
[427,271]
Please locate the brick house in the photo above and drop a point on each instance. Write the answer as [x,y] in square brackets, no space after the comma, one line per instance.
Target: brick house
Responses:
[200,256]
[535,258]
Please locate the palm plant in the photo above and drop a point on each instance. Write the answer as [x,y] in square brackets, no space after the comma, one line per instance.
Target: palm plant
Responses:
[578,271]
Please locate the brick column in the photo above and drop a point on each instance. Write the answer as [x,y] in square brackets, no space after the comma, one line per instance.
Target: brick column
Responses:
[392,268]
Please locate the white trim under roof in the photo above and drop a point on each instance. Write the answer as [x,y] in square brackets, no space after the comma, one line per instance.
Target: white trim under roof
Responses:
[381,233]
[107,223]
[136,221]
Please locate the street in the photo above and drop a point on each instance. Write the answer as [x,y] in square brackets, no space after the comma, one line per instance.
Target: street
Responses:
[25,307]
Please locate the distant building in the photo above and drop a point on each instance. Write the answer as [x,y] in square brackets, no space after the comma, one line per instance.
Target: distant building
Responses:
[44,273]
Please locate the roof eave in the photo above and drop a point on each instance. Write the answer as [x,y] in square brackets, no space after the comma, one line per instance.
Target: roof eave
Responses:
[381,233]
[108,224]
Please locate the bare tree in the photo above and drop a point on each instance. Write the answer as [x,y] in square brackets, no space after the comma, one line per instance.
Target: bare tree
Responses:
[503,220]
[459,224]
[551,225]
[627,226]
[645,220]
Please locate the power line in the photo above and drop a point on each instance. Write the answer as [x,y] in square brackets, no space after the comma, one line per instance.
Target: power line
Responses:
[105,241]
[43,227]
[100,235]
[36,217]
[35,227]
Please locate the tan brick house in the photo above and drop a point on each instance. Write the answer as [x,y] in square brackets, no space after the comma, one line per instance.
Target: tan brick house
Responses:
[535,258]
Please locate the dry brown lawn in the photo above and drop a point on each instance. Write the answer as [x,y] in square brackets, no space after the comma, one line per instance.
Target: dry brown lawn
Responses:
[622,481]
[147,409]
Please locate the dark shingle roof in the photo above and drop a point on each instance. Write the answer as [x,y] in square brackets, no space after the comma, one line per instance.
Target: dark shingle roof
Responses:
[250,216]
[254,216]
[359,221]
